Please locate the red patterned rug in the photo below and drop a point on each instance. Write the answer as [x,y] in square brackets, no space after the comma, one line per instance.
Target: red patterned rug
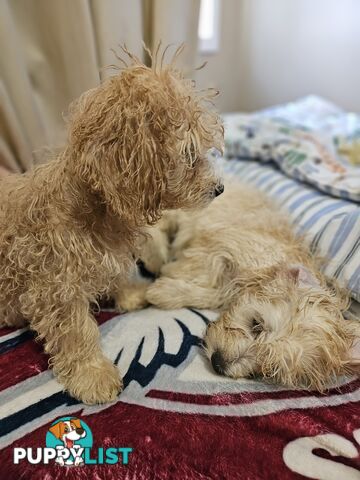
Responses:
[180,419]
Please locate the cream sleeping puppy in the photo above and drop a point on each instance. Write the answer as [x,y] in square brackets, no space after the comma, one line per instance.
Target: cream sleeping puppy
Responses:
[280,317]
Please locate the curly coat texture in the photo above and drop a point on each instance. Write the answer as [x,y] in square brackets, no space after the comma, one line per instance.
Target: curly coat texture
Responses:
[69,228]
[280,317]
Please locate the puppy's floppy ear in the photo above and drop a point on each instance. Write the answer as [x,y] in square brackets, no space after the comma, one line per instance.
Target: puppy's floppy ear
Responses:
[76,422]
[301,276]
[120,142]
[310,361]
[57,429]
[340,349]
[284,364]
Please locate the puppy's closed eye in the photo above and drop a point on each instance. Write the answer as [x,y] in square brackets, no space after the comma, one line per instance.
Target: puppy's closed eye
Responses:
[257,326]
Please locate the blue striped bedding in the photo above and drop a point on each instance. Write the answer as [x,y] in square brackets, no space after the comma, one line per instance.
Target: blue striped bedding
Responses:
[330,225]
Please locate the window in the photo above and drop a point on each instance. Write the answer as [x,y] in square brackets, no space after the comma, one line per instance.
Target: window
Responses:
[209,26]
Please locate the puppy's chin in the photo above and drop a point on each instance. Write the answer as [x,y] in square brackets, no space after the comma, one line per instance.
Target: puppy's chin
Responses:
[246,367]
[229,364]
[201,200]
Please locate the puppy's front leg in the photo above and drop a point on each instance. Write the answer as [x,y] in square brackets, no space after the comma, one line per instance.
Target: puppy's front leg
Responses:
[72,339]
[176,287]
[131,296]
[169,293]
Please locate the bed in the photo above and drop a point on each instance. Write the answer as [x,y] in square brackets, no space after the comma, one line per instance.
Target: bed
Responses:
[181,420]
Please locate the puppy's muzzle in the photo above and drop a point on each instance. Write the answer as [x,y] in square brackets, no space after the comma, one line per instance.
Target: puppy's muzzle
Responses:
[80,431]
[218,362]
[219,190]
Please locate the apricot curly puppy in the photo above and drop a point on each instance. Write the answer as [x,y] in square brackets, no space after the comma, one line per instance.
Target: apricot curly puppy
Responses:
[69,228]
[280,317]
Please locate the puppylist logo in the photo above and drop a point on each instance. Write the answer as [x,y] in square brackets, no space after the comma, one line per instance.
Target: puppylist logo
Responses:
[68,442]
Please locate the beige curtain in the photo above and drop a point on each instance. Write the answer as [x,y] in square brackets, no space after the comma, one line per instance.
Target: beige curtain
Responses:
[51,51]
[173,22]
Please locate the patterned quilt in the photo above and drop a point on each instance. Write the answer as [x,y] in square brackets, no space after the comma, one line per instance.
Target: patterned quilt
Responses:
[311,140]
[180,420]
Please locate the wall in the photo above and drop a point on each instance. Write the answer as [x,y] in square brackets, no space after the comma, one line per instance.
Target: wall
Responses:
[292,48]
[274,51]
[221,72]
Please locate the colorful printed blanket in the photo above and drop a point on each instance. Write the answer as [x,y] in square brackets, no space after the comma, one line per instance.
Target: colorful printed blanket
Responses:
[311,140]
[180,419]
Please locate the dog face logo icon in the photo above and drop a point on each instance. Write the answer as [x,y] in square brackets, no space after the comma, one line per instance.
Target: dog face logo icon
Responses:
[69,436]
[68,431]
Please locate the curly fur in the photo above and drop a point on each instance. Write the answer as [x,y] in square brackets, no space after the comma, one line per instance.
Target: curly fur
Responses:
[281,318]
[69,228]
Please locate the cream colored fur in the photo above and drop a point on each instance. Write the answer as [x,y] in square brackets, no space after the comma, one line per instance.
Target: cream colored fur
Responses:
[69,228]
[280,317]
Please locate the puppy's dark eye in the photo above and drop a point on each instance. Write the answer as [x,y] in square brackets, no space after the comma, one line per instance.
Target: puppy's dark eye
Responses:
[257,326]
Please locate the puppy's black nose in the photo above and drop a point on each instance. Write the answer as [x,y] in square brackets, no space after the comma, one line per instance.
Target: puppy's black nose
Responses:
[80,431]
[218,363]
[219,190]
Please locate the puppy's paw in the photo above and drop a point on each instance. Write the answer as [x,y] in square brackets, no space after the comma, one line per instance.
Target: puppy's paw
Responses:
[131,298]
[98,381]
[165,293]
